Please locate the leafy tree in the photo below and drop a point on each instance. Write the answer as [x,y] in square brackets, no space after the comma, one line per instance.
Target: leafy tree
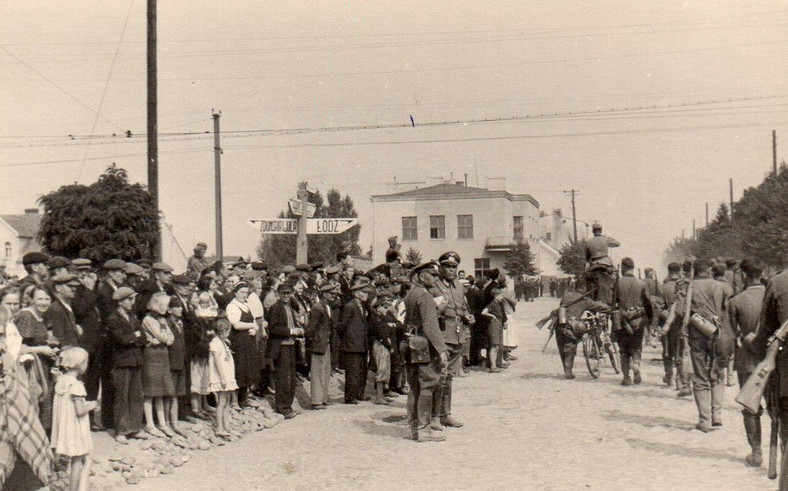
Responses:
[111,218]
[680,249]
[279,250]
[413,255]
[573,258]
[520,261]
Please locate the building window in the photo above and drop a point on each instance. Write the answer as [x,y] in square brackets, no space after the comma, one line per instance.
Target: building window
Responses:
[7,249]
[481,265]
[518,228]
[409,228]
[464,226]
[437,227]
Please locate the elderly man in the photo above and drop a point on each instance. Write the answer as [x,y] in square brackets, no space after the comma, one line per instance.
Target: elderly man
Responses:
[115,278]
[353,332]
[318,334]
[281,348]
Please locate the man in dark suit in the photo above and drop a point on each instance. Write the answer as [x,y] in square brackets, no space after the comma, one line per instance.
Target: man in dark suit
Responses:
[60,317]
[353,334]
[318,335]
[282,331]
[160,281]
[115,277]
[86,315]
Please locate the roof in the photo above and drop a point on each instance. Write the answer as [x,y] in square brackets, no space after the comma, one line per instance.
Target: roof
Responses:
[26,226]
[452,191]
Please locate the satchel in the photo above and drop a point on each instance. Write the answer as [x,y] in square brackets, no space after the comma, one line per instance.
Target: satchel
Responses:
[419,349]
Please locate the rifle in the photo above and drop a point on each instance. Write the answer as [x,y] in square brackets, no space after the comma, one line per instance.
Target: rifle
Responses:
[752,391]
[773,408]
[553,318]
[686,364]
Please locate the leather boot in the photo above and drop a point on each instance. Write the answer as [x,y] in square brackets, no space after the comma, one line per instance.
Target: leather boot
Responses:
[625,370]
[686,386]
[446,399]
[703,401]
[667,363]
[451,421]
[717,398]
[752,426]
[636,367]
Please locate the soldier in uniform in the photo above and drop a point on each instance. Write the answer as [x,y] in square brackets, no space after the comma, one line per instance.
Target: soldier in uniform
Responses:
[452,313]
[598,263]
[744,311]
[574,303]
[671,334]
[634,303]
[424,372]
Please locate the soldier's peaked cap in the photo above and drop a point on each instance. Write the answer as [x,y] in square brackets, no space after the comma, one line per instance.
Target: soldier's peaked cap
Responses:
[627,262]
[450,257]
[430,266]
[596,226]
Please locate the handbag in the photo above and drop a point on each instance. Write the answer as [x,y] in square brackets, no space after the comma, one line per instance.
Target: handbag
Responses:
[419,347]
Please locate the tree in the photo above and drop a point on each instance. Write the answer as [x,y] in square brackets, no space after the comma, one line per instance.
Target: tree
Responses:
[573,258]
[413,256]
[680,249]
[108,219]
[520,261]
[279,250]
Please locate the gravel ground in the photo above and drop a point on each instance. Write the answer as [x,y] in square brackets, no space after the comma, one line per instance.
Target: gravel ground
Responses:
[526,428]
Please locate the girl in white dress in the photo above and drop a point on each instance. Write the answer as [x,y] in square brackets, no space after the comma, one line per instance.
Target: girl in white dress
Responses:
[221,374]
[70,417]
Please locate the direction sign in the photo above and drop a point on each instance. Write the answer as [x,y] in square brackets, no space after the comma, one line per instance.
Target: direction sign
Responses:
[315,226]
[295,208]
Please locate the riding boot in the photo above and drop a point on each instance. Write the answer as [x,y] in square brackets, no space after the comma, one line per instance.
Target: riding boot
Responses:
[752,426]
[569,363]
[717,398]
[703,401]
[625,370]
[446,399]
[636,366]
[425,432]
[685,385]
[667,363]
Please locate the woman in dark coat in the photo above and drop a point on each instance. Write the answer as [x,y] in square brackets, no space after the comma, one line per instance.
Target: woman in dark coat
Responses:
[243,342]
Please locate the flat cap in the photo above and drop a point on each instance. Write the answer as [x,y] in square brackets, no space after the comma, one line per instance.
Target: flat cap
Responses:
[82,263]
[259,266]
[596,226]
[627,262]
[328,287]
[134,269]
[201,245]
[161,267]
[55,262]
[361,285]
[429,266]
[385,295]
[111,264]
[65,278]
[288,269]
[449,258]
[34,258]
[145,263]
[284,288]
[332,270]
[181,279]
[303,267]
[122,293]
[316,265]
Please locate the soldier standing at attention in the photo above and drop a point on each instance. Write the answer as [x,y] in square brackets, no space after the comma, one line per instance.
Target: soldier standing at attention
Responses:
[744,311]
[427,354]
[635,305]
[452,313]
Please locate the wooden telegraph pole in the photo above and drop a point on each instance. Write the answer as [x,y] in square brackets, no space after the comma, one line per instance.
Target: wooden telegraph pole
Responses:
[217,183]
[572,192]
[774,151]
[153,132]
[301,243]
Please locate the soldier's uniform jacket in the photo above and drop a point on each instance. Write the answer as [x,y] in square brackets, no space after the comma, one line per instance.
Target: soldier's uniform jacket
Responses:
[596,249]
[744,312]
[774,313]
[456,308]
[654,292]
[631,294]
[575,310]
[708,300]
[422,313]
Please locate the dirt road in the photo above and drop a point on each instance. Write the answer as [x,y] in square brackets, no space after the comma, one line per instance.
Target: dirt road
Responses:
[526,428]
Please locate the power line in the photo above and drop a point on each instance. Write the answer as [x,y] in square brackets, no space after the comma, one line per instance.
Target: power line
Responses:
[107,157]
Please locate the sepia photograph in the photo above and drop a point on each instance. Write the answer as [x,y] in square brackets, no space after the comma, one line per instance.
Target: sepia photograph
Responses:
[251,244]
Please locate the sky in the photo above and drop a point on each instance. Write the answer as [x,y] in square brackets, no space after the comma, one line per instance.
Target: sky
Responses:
[647,108]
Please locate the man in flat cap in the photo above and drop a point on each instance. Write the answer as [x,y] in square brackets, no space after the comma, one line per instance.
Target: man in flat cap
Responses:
[318,335]
[60,316]
[282,331]
[454,315]
[197,262]
[353,331]
[160,281]
[114,278]
[86,314]
[35,264]
[427,355]
[637,312]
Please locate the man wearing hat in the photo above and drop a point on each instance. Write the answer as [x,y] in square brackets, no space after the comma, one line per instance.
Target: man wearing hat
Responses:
[282,331]
[60,316]
[114,278]
[35,263]
[58,265]
[160,281]
[86,315]
[353,333]
[454,315]
[598,263]
[673,339]
[424,372]
[318,335]
[197,262]
[637,312]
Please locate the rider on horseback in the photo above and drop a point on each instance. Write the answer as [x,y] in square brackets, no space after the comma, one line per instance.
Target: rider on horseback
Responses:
[599,267]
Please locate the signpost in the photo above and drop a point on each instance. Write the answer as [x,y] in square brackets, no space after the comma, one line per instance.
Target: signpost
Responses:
[314,226]
[295,208]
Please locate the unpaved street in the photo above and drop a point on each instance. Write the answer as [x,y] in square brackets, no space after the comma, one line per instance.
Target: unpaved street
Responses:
[526,428]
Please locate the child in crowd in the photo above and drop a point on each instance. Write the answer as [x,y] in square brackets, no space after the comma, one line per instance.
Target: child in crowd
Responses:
[200,336]
[221,373]
[495,311]
[382,334]
[177,352]
[71,422]
[156,377]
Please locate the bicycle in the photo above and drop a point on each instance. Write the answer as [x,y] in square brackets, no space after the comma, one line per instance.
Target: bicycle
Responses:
[597,342]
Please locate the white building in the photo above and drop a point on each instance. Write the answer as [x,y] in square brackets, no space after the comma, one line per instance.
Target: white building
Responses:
[18,237]
[558,230]
[479,224]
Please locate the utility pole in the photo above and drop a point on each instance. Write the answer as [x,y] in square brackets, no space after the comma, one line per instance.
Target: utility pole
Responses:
[694,232]
[707,214]
[301,244]
[774,151]
[730,189]
[153,132]
[572,192]
[217,183]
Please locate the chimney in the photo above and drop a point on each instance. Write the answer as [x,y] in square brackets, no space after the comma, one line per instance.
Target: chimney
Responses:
[31,211]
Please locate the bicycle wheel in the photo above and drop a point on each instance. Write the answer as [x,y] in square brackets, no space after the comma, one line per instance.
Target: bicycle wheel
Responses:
[610,348]
[592,355]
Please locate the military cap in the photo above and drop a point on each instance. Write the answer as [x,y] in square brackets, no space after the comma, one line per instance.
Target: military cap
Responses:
[161,267]
[240,263]
[111,264]
[316,265]
[284,288]
[627,262]
[200,245]
[303,267]
[674,267]
[429,266]
[449,258]
[288,269]
[259,266]
[332,270]
[82,263]
[328,287]
[55,262]
[181,279]
[65,278]
[122,293]
[359,285]
[134,269]
[596,226]
[34,258]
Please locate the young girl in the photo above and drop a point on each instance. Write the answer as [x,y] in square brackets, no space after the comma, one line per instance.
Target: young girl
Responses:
[197,339]
[221,373]
[177,352]
[71,422]
[497,315]
[156,378]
